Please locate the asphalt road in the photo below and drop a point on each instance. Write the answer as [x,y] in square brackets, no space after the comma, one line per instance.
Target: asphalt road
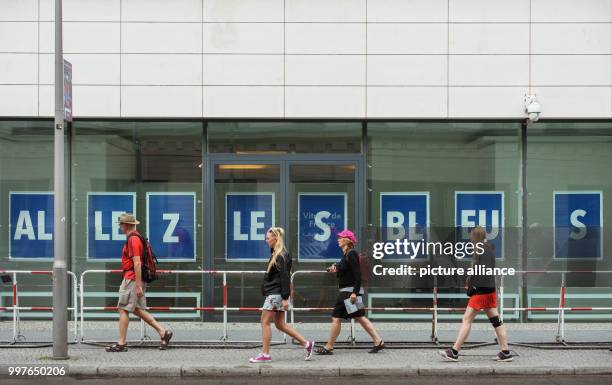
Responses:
[249,380]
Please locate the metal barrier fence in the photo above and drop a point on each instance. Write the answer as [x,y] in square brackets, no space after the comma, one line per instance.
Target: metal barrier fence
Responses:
[224,309]
[16,309]
[435,309]
[561,309]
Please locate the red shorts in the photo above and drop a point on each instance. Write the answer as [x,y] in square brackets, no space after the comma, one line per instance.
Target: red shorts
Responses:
[483,301]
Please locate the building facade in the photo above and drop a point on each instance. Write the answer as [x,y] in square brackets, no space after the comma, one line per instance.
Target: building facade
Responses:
[214,119]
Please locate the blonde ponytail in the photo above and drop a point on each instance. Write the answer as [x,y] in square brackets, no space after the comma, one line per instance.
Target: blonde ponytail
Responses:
[279,246]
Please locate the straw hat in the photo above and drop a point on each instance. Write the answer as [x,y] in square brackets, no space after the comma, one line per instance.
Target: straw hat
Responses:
[128,218]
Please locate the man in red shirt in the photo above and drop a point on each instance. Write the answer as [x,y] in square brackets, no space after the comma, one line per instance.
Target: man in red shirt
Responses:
[132,290]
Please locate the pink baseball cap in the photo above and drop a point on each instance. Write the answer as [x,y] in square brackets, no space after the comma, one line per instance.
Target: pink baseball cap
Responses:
[348,234]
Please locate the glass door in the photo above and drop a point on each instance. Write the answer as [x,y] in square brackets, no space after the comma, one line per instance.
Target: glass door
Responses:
[311,199]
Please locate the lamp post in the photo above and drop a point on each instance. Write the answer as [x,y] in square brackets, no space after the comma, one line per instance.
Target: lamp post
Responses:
[60,278]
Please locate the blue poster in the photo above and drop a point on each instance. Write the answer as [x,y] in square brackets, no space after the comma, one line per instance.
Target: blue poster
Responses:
[248,216]
[404,215]
[171,225]
[321,217]
[31,225]
[578,219]
[104,237]
[481,208]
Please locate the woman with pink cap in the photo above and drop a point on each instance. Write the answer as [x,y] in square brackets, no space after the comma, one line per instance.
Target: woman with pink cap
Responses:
[348,273]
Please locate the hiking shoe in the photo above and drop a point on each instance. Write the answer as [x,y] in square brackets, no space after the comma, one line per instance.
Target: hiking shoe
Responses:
[503,357]
[449,355]
[308,349]
[261,358]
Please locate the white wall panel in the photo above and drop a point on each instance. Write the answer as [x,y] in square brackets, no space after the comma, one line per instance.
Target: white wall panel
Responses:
[94,37]
[488,11]
[401,70]
[161,69]
[247,102]
[243,10]
[551,70]
[96,101]
[18,100]
[325,10]
[325,38]
[392,38]
[471,38]
[23,37]
[406,102]
[564,38]
[489,70]
[486,102]
[161,38]
[19,10]
[91,37]
[18,68]
[88,101]
[575,102]
[162,10]
[571,10]
[325,70]
[330,102]
[243,38]
[45,100]
[408,11]
[161,101]
[92,69]
[243,69]
[82,10]
[237,58]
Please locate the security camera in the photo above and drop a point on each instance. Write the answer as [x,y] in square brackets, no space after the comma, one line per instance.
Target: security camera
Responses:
[533,109]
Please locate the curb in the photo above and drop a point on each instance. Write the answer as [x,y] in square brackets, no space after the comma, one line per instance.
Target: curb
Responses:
[113,371]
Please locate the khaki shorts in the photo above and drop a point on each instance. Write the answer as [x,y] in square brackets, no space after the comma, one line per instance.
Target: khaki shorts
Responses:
[128,300]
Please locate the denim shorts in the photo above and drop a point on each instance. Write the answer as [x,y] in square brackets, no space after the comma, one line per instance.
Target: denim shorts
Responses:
[273,302]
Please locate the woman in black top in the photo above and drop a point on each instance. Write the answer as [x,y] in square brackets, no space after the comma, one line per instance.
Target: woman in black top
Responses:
[276,287]
[349,283]
[483,296]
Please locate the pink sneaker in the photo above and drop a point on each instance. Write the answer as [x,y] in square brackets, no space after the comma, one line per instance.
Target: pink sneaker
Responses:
[308,350]
[260,358]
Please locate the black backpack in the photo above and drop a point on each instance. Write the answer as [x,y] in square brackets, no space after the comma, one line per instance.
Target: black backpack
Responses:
[148,259]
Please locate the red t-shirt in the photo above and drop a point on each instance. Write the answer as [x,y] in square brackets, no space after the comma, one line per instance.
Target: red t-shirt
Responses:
[132,248]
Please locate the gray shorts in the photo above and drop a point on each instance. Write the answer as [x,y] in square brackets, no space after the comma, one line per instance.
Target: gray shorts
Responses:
[273,302]
[128,300]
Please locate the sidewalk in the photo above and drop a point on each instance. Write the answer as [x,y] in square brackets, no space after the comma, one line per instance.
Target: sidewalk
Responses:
[89,360]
